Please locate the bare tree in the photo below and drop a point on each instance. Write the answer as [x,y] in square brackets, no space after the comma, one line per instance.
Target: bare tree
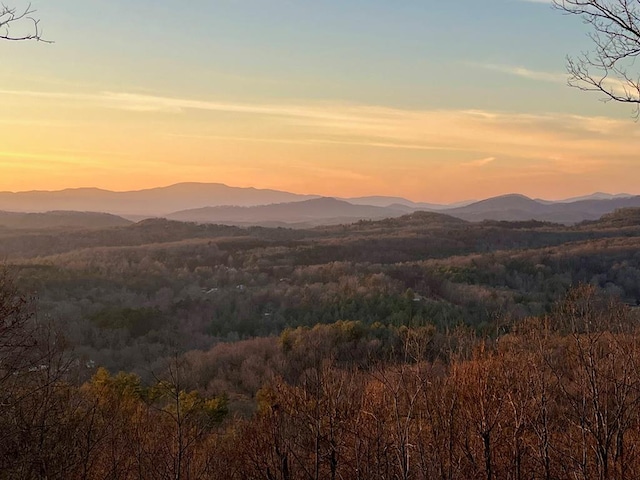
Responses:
[19,24]
[608,67]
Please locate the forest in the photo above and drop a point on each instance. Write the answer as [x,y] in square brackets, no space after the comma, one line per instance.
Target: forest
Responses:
[417,347]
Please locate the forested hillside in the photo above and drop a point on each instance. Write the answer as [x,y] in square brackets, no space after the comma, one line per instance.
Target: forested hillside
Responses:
[380,349]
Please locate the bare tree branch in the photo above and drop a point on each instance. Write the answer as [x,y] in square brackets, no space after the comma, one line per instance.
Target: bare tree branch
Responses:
[608,68]
[28,26]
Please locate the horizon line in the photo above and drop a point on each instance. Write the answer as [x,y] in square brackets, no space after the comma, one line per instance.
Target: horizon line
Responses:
[469,200]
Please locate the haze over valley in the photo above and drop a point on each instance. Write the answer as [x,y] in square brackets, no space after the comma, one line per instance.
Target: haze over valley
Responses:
[218,203]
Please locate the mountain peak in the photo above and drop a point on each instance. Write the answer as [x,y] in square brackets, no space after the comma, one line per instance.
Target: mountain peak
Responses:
[510,200]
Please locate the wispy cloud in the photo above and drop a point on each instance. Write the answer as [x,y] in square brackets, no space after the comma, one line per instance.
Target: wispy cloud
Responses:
[523,72]
[47,158]
[615,85]
[475,137]
[481,162]
[154,103]
[323,141]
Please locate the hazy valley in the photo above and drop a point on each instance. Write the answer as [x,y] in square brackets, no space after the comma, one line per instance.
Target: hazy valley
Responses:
[217,203]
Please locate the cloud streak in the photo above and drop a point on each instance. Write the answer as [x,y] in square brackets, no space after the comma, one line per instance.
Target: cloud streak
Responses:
[374,126]
[480,162]
[523,72]
[152,103]
[193,133]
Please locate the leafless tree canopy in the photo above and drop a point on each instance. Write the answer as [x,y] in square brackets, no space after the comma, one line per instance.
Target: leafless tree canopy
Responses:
[17,25]
[615,33]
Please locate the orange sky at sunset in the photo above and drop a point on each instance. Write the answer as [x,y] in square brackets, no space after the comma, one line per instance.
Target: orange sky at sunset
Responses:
[126,142]
[324,108]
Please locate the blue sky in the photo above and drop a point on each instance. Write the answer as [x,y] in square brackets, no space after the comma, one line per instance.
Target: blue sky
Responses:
[331,97]
[411,53]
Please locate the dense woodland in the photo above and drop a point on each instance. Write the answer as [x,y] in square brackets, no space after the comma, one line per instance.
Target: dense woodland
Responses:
[417,347]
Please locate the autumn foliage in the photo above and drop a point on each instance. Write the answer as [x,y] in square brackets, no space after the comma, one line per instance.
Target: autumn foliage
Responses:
[557,397]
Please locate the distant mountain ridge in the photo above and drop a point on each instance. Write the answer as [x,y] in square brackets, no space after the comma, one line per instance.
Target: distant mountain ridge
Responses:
[519,207]
[328,211]
[149,202]
[597,196]
[307,213]
[216,202]
[382,201]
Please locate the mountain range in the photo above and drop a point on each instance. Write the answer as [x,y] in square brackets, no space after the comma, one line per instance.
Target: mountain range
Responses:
[219,203]
[518,207]
[307,213]
[144,203]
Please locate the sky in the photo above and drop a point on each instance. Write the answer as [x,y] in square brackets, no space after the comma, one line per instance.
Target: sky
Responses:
[433,101]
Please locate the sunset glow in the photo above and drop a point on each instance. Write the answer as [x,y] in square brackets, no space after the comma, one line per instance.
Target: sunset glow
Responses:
[379,99]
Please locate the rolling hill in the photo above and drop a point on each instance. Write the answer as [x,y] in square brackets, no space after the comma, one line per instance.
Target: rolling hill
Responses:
[320,211]
[520,208]
[149,202]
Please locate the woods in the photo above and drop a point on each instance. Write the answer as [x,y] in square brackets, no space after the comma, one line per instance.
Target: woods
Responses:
[556,397]
[492,350]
